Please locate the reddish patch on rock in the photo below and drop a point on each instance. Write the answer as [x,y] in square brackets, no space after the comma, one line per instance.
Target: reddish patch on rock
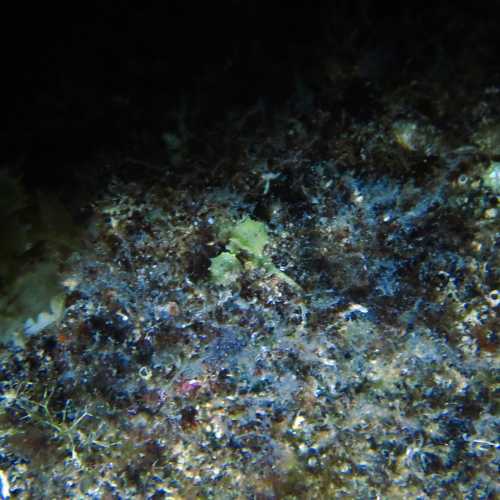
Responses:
[189,387]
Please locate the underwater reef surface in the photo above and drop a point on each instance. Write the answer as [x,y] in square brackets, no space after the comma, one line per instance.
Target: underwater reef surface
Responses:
[301,306]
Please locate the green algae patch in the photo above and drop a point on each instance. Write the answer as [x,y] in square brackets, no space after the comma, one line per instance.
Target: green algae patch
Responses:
[247,241]
[249,236]
[225,268]
[491,178]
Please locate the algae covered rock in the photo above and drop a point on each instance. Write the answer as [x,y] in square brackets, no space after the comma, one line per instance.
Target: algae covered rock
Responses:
[36,231]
